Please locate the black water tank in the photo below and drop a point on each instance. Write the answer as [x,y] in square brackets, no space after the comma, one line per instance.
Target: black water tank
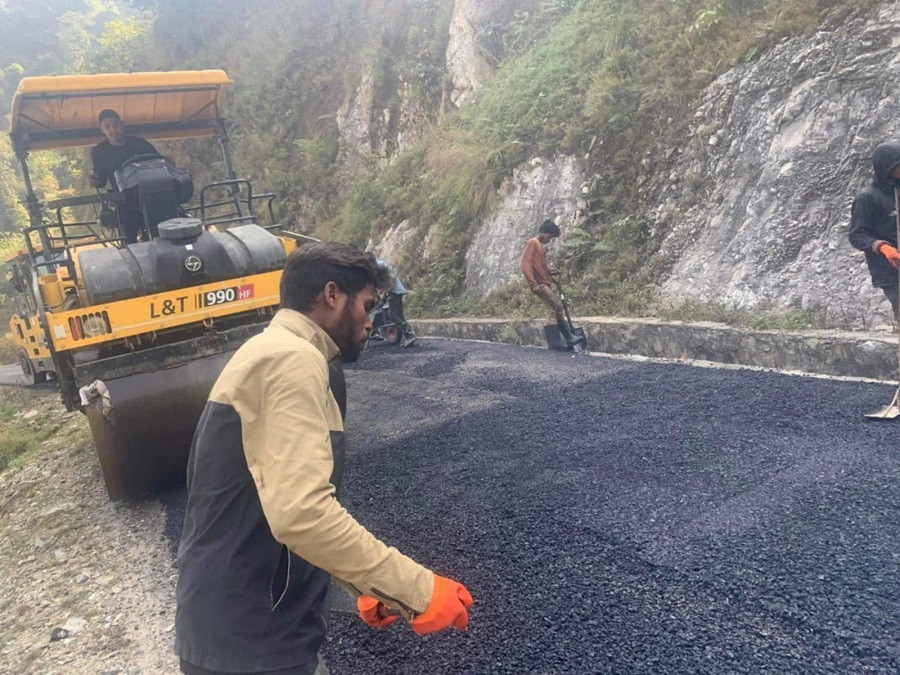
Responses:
[184,254]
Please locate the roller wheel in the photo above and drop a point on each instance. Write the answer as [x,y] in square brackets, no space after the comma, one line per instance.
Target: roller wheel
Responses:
[392,333]
[32,375]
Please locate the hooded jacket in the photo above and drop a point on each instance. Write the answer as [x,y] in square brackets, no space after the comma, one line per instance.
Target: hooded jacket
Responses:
[263,529]
[873,217]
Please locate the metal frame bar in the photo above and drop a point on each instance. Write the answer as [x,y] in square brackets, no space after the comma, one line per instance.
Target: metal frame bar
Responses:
[24,140]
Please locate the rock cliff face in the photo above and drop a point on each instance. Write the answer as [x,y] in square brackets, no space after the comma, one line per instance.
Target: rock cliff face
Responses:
[358,123]
[383,114]
[539,190]
[754,207]
[467,63]
[751,207]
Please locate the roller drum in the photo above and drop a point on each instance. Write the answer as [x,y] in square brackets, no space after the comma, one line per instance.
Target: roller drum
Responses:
[144,440]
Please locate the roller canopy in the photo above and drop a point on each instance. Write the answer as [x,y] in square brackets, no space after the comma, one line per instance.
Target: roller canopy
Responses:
[61,112]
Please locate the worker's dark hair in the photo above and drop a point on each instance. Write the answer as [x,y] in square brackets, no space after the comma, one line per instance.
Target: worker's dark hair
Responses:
[386,279]
[108,113]
[549,227]
[313,265]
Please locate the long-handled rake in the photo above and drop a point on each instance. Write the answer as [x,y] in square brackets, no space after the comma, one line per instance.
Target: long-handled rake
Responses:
[892,410]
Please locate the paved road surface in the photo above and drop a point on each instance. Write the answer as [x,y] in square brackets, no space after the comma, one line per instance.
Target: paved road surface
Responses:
[12,374]
[610,516]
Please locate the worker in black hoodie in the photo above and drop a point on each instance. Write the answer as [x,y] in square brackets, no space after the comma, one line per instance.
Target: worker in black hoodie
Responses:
[873,225]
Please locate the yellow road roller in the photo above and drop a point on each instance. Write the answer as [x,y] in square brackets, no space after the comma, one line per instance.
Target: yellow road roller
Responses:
[25,325]
[136,329]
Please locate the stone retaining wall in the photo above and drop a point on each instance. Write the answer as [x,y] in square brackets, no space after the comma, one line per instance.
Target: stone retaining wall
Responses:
[869,355]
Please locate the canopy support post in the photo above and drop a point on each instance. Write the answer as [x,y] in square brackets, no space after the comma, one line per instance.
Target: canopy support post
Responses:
[222,135]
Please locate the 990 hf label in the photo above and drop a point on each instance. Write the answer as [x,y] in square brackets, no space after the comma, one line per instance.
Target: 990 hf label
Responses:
[224,295]
[206,299]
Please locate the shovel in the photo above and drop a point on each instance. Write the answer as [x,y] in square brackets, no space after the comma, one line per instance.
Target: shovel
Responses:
[892,410]
[580,344]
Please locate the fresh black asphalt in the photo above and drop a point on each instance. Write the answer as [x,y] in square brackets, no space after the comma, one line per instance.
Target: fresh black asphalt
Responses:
[613,516]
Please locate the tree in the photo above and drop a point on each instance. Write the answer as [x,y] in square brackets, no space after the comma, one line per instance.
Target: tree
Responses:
[124,45]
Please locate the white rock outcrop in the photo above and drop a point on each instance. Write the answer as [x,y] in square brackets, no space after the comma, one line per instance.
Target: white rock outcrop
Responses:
[755,207]
[538,190]
[466,61]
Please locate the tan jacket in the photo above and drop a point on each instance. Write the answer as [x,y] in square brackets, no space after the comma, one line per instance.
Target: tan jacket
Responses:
[278,384]
[262,476]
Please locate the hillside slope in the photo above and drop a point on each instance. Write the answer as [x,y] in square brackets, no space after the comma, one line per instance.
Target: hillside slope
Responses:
[694,152]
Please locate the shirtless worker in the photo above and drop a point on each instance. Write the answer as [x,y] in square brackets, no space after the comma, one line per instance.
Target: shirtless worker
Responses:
[537,273]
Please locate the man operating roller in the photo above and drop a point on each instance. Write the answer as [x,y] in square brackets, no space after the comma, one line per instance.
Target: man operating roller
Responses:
[116,149]
[264,531]
[110,155]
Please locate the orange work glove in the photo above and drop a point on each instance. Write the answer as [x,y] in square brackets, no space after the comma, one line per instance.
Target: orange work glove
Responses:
[374,613]
[889,252]
[449,601]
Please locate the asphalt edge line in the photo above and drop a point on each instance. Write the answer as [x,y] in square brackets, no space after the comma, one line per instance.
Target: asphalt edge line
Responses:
[696,363]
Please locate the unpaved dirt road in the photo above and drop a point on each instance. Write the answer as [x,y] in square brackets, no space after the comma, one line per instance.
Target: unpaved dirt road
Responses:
[608,516]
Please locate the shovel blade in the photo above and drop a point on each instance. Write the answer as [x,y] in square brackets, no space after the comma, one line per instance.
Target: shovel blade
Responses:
[889,412]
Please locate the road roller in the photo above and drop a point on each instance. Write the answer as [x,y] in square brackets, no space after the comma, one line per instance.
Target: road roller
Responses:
[135,329]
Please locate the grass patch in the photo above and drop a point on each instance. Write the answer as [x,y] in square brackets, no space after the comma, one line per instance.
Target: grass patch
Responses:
[515,301]
[30,417]
[18,444]
[9,351]
[14,444]
[762,317]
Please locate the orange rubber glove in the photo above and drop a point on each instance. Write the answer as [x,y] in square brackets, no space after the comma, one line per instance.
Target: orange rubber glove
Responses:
[889,252]
[374,613]
[449,601]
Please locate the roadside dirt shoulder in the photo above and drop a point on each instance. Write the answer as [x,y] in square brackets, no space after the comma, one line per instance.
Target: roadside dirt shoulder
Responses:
[88,585]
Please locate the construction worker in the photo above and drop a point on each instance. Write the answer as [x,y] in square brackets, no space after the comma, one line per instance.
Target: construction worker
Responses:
[118,147]
[873,224]
[263,529]
[110,155]
[537,273]
[395,291]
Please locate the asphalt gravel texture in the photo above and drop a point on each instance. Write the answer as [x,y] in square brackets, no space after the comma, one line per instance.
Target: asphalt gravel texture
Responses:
[615,516]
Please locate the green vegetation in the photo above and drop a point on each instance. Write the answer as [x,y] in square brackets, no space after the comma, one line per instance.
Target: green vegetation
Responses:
[611,81]
[761,317]
[25,424]
[55,37]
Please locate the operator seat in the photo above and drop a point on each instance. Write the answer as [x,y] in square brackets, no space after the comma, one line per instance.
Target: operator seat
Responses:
[154,191]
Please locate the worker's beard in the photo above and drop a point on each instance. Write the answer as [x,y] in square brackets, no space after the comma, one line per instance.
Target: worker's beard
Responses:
[344,336]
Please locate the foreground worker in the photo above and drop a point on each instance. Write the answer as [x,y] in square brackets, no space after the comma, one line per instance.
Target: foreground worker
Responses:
[537,274]
[263,530]
[873,225]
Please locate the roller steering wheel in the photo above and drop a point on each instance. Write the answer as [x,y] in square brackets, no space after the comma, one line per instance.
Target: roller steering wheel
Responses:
[140,158]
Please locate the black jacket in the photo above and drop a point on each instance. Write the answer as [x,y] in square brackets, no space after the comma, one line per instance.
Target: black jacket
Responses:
[263,530]
[107,158]
[873,218]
